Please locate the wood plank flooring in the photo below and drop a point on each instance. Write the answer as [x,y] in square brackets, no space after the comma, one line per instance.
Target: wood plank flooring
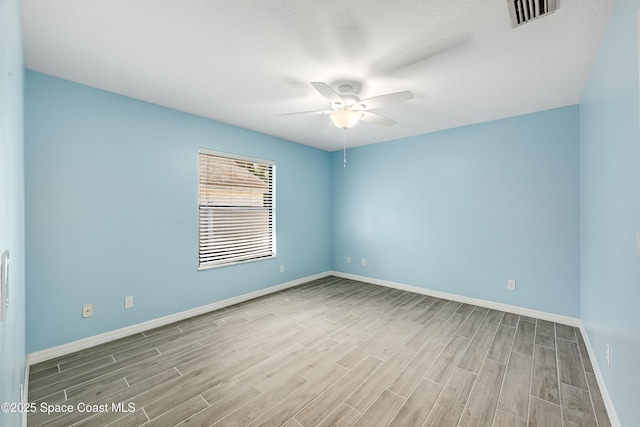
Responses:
[332,352]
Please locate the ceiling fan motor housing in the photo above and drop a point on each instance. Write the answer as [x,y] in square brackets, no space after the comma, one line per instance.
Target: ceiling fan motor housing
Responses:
[348,95]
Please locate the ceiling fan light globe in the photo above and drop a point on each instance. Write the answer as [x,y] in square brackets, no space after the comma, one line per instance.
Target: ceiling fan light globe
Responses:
[345,119]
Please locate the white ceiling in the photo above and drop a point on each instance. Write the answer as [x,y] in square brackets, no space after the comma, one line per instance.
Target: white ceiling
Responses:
[243,62]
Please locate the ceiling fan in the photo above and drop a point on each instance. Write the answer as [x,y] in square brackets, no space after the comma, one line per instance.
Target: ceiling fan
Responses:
[346,109]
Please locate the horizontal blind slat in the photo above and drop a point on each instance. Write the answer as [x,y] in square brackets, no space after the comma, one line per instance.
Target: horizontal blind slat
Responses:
[236,215]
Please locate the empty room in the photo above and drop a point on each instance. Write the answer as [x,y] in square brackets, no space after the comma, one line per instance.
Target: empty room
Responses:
[296,213]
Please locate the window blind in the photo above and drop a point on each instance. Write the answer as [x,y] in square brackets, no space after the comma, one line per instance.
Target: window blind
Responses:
[236,209]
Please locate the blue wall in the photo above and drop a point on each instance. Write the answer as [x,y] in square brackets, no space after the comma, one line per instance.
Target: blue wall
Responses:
[464,210]
[610,210]
[12,330]
[111,187]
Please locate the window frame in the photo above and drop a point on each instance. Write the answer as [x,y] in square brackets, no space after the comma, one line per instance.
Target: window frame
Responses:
[235,157]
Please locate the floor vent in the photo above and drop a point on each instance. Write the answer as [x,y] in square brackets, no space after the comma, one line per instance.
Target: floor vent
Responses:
[523,11]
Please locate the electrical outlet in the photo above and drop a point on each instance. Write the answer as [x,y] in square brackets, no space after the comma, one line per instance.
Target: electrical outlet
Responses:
[511,284]
[281,268]
[87,310]
[364,261]
[608,355]
[348,260]
[128,302]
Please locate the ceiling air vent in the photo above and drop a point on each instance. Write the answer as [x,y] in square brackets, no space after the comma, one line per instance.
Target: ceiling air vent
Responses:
[523,11]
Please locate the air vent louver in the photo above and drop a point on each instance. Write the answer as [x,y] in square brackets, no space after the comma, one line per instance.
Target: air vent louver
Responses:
[523,11]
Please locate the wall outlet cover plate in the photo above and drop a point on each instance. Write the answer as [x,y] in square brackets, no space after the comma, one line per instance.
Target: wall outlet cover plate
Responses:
[87,310]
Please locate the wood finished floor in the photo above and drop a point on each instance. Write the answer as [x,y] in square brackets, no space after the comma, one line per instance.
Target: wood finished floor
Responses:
[332,352]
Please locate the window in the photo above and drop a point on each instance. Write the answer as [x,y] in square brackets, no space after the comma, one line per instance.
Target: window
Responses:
[236,209]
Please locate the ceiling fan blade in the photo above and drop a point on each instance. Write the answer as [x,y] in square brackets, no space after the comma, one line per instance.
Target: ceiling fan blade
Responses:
[303,113]
[383,100]
[368,116]
[328,93]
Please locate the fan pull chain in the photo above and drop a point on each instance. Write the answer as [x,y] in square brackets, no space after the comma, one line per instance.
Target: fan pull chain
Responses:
[344,147]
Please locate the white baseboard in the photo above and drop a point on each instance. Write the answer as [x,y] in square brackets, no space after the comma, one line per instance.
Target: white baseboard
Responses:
[565,320]
[64,349]
[608,403]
